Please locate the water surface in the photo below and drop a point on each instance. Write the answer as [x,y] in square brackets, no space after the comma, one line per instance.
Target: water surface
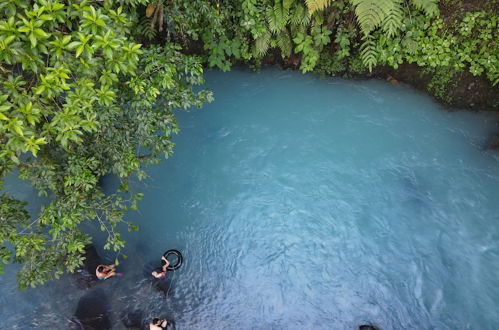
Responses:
[302,203]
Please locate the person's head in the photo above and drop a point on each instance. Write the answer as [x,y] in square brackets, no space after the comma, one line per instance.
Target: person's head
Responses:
[156,321]
[100,269]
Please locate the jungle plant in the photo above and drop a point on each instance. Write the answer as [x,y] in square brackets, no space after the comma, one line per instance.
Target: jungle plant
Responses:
[79,100]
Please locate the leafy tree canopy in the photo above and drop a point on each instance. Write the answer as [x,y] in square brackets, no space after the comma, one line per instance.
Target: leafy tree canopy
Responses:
[80,99]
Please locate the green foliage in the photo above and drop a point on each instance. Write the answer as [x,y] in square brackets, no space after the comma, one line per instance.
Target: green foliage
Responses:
[144,28]
[442,82]
[79,98]
[372,13]
[310,45]
[315,5]
[368,52]
[430,7]
[478,44]
[471,45]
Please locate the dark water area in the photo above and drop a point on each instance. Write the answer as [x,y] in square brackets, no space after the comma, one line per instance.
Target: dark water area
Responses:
[304,203]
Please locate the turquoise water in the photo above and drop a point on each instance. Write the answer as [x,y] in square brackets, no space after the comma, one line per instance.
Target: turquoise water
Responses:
[302,203]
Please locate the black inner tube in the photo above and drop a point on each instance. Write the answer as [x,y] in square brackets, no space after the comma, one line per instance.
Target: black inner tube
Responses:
[180,259]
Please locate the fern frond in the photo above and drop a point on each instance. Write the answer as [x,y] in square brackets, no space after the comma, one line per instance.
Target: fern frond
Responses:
[284,43]
[144,29]
[368,52]
[315,5]
[277,17]
[287,4]
[262,44]
[371,13]
[393,20]
[300,16]
[133,3]
[430,7]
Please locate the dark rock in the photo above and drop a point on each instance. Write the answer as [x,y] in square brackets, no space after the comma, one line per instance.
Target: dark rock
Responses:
[133,319]
[368,327]
[85,275]
[163,285]
[171,325]
[392,80]
[92,312]
[493,143]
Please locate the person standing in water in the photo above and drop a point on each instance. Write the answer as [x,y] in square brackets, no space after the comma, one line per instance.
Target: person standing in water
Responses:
[160,272]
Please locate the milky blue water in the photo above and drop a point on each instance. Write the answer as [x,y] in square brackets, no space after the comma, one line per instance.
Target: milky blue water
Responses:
[302,203]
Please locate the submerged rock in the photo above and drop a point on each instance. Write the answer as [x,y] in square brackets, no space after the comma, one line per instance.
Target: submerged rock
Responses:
[493,143]
[85,275]
[133,319]
[92,312]
[163,285]
[368,327]
[392,80]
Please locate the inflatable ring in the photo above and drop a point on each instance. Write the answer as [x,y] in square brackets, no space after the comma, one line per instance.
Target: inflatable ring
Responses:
[180,259]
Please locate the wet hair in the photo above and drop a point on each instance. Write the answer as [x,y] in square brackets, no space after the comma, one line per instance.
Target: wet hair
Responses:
[163,262]
[100,269]
[156,320]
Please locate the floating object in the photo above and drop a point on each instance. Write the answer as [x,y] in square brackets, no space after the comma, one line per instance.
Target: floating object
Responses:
[176,253]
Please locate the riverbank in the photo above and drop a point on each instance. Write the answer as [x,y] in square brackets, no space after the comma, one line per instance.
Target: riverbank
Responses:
[450,54]
[465,92]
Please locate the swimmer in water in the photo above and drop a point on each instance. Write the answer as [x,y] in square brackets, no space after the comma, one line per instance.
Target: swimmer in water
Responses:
[160,272]
[158,324]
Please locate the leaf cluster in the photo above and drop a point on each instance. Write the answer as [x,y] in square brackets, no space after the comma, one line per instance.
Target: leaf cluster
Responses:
[80,99]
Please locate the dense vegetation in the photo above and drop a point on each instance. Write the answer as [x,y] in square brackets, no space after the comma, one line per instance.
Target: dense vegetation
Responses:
[89,89]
